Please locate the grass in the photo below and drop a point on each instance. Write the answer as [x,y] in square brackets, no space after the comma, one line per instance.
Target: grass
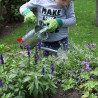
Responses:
[85,30]
[82,33]
[11,39]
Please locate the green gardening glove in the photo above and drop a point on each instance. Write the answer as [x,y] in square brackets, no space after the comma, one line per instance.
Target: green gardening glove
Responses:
[29,16]
[53,24]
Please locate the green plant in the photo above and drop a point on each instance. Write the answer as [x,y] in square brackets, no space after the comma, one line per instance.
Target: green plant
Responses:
[12,9]
[1,18]
[4,48]
[68,84]
[31,74]
[89,86]
[22,78]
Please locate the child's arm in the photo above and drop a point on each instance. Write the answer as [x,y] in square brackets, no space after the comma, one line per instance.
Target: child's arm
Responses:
[71,19]
[28,5]
[25,10]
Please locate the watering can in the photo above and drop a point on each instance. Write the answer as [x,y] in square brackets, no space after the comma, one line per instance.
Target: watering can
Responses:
[33,36]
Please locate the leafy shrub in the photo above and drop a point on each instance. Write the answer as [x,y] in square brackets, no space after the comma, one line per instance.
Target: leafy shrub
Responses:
[12,9]
[1,18]
[4,48]
[33,75]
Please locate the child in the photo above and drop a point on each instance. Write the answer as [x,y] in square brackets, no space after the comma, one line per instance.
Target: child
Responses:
[58,14]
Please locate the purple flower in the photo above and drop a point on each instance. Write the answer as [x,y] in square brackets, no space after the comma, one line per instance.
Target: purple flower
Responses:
[39,45]
[91,45]
[43,70]
[36,57]
[86,67]
[27,47]
[50,47]
[28,51]
[1,82]
[21,47]
[52,68]
[91,75]
[45,53]
[83,62]
[1,59]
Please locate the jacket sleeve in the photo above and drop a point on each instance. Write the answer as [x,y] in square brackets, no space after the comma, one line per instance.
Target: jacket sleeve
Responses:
[29,5]
[70,16]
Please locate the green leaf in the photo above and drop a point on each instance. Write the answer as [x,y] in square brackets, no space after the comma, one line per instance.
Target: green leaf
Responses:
[66,87]
[40,90]
[18,97]
[47,87]
[53,90]
[17,89]
[31,87]
[1,18]
[9,95]
[27,79]
[90,85]
[49,76]
[35,92]
[68,84]
[36,82]
[81,86]
[95,72]
[85,75]
[12,75]
[92,96]
[53,85]
[11,87]
[86,94]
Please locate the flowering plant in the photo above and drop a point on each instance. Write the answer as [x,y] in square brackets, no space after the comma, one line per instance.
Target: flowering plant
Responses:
[4,48]
[35,74]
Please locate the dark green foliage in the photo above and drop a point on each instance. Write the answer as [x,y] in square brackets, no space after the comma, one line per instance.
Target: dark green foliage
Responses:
[1,18]
[12,9]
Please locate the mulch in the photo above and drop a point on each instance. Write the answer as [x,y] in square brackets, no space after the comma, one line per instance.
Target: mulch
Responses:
[71,93]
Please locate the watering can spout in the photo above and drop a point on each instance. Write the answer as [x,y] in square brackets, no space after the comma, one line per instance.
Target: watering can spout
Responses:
[34,35]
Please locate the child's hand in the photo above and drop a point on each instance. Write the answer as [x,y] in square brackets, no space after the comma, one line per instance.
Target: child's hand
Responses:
[53,24]
[29,16]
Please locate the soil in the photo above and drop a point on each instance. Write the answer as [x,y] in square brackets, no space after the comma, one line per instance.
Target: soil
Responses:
[71,93]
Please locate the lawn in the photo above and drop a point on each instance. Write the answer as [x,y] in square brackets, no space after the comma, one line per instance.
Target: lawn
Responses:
[83,33]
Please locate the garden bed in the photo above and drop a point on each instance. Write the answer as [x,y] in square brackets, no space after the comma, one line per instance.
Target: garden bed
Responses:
[21,71]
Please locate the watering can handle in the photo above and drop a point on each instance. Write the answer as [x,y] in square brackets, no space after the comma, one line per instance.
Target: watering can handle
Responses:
[28,26]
